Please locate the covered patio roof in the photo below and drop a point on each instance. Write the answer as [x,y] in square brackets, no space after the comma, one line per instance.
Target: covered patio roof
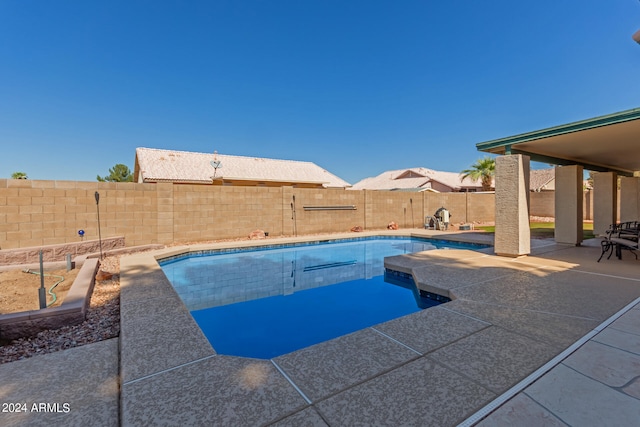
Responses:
[605,143]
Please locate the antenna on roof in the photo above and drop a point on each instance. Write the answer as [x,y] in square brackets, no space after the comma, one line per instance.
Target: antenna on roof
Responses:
[217,164]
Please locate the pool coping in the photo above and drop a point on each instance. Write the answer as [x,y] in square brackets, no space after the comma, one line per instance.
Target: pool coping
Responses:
[132,292]
[152,352]
[143,301]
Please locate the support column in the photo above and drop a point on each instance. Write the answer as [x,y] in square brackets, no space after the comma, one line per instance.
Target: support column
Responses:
[513,236]
[629,198]
[568,201]
[605,201]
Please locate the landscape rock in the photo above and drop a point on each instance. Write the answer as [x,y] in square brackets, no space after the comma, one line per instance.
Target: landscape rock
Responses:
[392,226]
[357,229]
[103,275]
[257,234]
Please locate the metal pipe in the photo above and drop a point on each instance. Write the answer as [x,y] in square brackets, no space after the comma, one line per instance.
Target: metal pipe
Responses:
[97,195]
[42,295]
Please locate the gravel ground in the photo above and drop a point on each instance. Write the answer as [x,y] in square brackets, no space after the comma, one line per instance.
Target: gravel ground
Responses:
[103,322]
[103,318]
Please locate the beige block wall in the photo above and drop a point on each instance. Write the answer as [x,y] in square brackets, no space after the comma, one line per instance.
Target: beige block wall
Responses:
[218,212]
[480,207]
[326,219]
[543,204]
[403,208]
[35,213]
[455,203]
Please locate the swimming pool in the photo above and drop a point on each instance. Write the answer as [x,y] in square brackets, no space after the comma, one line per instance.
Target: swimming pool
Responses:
[266,302]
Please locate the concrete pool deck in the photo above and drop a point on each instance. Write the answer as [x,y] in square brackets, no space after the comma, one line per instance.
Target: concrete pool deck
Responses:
[552,338]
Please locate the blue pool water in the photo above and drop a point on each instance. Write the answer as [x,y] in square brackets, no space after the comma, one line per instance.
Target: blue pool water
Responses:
[268,302]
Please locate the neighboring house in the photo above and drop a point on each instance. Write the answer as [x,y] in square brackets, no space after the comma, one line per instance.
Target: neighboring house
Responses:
[542,180]
[418,179]
[155,165]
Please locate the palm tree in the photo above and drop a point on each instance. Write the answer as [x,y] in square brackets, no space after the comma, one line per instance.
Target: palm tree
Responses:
[484,170]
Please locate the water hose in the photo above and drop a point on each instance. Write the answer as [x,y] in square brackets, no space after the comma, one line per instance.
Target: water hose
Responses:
[50,291]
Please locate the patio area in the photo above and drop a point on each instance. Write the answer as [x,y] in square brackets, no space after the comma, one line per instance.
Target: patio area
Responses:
[552,338]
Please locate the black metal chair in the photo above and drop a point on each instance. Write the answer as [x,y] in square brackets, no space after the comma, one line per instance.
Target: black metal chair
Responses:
[623,236]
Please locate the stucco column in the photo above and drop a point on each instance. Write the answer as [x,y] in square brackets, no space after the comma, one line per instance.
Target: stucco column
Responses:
[629,198]
[605,200]
[513,237]
[568,201]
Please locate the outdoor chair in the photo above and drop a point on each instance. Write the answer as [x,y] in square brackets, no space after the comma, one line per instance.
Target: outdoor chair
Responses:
[621,236]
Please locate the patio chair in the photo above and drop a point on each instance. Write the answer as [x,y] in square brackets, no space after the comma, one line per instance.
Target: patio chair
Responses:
[621,236]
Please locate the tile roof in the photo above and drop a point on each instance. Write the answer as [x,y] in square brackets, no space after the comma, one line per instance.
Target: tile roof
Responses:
[418,178]
[542,179]
[156,165]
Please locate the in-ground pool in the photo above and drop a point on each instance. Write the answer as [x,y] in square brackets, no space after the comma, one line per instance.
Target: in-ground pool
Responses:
[265,302]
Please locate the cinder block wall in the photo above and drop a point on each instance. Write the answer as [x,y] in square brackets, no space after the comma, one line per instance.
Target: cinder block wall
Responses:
[543,203]
[202,212]
[321,214]
[405,209]
[480,207]
[456,203]
[35,213]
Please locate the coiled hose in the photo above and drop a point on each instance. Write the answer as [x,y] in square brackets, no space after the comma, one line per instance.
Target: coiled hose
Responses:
[50,291]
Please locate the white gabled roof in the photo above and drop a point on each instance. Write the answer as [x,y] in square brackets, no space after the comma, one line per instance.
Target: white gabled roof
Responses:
[156,165]
[415,178]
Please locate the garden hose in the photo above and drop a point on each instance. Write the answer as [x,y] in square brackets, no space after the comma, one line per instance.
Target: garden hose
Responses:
[50,291]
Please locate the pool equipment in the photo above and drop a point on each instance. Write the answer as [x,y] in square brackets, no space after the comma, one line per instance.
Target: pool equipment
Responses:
[439,220]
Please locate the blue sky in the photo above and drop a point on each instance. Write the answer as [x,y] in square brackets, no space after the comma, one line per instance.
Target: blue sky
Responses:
[358,87]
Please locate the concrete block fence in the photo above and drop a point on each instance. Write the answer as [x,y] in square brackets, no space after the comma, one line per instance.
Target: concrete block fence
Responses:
[35,213]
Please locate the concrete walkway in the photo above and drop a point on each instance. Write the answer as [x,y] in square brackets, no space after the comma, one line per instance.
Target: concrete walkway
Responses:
[74,387]
[596,385]
[549,339]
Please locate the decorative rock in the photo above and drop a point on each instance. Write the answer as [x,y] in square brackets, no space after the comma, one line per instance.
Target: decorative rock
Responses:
[257,234]
[392,226]
[357,229]
[103,275]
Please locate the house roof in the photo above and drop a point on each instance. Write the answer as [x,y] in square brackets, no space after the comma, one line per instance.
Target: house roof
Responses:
[414,178]
[605,143]
[542,179]
[156,165]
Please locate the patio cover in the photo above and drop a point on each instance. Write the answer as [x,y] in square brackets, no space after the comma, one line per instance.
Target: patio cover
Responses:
[608,143]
